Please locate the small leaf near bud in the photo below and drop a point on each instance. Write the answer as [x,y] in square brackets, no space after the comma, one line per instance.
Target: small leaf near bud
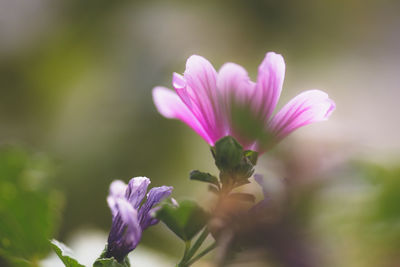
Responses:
[204,177]
[185,220]
[65,254]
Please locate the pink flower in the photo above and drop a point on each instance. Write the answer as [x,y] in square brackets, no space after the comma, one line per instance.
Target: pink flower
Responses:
[215,104]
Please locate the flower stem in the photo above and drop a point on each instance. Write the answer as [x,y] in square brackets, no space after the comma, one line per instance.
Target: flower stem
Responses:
[184,258]
[197,244]
[190,251]
[201,254]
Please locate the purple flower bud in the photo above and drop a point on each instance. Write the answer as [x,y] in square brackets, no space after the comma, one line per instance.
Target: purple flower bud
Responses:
[130,215]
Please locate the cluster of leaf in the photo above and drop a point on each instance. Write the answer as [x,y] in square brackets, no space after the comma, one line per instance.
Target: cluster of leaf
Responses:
[29,211]
[236,166]
[187,218]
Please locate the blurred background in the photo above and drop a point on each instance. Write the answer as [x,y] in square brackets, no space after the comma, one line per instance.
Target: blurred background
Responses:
[76,112]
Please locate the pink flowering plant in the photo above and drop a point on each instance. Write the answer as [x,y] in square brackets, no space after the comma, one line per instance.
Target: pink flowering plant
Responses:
[237,118]
[208,101]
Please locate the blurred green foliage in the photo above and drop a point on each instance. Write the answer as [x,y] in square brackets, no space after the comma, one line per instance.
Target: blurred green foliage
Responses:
[357,216]
[29,210]
[381,228]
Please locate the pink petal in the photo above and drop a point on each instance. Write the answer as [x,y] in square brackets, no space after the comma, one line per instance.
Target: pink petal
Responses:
[308,107]
[179,84]
[201,89]
[235,88]
[171,106]
[234,83]
[271,74]
[181,88]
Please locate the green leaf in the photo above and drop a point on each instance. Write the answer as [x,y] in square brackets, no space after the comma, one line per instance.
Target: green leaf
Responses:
[29,210]
[228,153]
[111,262]
[243,197]
[65,254]
[204,177]
[185,220]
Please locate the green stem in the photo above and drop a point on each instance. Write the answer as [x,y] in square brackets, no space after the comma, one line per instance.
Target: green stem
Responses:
[184,258]
[197,244]
[201,254]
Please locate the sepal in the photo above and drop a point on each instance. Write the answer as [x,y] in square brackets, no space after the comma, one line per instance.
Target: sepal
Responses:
[111,262]
[235,165]
[102,261]
[227,153]
[252,156]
